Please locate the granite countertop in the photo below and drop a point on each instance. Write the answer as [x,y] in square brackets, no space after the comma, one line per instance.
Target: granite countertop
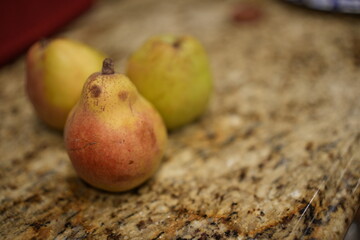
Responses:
[276,156]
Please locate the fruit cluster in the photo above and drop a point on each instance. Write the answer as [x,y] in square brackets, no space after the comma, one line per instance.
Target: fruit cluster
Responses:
[115,125]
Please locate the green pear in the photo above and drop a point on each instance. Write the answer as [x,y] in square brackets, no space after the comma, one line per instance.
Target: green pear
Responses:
[114,137]
[173,73]
[56,71]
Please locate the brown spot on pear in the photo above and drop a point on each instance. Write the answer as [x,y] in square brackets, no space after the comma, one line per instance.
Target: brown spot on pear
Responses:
[118,148]
[123,95]
[95,91]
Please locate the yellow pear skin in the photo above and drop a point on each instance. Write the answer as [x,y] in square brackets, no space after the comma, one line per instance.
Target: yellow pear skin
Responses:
[114,137]
[173,73]
[56,71]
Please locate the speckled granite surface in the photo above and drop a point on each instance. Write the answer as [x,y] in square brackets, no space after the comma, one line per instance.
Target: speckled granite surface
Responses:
[276,156]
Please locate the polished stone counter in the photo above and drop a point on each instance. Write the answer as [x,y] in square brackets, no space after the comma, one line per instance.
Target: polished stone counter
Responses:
[276,156]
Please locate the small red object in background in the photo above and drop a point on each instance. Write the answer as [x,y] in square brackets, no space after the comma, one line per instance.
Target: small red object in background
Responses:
[23,22]
[246,12]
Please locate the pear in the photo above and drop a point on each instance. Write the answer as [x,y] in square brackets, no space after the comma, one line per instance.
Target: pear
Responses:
[173,73]
[56,71]
[114,137]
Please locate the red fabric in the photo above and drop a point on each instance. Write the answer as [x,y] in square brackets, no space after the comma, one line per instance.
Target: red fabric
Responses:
[22,22]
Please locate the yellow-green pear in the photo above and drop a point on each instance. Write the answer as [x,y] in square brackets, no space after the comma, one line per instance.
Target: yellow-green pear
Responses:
[114,137]
[56,71]
[173,73]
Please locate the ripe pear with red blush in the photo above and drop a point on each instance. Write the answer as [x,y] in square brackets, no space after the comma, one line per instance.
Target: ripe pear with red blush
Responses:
[56,71]
[114,137]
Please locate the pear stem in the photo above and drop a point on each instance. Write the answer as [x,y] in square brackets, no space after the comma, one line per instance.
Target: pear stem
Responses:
[44,42]
[177,43]
[108,66]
